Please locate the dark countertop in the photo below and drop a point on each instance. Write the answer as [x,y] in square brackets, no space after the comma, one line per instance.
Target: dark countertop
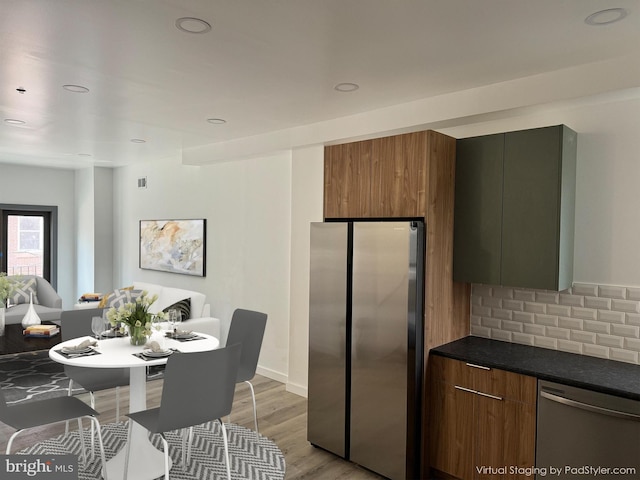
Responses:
[606,376]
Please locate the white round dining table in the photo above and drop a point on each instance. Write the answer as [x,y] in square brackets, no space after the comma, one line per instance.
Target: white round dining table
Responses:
[146,462]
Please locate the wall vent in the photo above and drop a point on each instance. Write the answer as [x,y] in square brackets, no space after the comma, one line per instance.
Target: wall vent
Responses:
[142,182]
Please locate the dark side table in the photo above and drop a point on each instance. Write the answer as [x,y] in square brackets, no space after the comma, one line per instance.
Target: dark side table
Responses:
[14,342]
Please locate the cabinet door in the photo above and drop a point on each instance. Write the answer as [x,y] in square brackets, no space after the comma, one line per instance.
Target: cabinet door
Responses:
[478,209]
[399,168]
[347,180]
[531,199]
[452,430]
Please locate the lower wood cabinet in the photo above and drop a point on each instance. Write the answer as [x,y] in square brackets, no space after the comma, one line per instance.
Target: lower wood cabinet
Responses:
[482,421]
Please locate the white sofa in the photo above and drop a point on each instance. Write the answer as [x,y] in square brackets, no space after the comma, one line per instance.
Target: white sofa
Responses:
[200,319]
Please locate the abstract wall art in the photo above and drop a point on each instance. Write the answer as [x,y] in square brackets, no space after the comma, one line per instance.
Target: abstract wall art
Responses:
[176,246]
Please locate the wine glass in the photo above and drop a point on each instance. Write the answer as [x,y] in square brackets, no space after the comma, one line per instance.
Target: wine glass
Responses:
[97,326]
[173,318]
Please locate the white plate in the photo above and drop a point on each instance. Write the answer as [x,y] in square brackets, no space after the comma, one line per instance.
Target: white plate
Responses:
[150,353]
[75,350]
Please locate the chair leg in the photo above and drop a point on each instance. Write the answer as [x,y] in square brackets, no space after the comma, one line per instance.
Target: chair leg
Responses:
[128,452]
[253,397]
[165,446]
[69,393]
[226,450]
[81,434]
[103,460]
[15,434]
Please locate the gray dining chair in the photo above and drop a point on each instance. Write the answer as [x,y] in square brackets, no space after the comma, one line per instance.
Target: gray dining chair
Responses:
[51,410]
[247,328]
[77,323]
[208,380]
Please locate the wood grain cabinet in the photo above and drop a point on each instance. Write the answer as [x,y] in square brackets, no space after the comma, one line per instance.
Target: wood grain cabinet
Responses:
[514,208]
[385,177]
[482,421]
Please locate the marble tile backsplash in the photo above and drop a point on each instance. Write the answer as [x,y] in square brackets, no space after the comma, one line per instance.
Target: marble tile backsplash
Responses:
[597,320]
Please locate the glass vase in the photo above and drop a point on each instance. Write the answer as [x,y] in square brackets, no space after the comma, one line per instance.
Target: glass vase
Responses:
[137,336]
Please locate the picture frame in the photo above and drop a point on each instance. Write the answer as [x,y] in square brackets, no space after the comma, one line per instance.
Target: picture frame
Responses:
[174,246]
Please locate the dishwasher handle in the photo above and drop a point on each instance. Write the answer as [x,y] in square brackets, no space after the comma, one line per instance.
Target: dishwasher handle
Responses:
[588,407]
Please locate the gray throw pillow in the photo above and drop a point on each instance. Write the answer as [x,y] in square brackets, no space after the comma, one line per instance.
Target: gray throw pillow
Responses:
[22,289]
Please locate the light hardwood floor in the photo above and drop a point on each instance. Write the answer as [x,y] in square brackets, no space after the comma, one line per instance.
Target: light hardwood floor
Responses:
[282,417]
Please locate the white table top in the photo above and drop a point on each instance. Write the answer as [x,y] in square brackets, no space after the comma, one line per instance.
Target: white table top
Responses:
[118,352]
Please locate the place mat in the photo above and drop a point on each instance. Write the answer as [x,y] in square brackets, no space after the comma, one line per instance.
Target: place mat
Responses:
[187,339]
[142,356]
[112,334]
[77,355]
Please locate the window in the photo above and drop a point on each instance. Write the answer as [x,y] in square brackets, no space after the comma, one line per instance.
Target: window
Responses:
[30,233]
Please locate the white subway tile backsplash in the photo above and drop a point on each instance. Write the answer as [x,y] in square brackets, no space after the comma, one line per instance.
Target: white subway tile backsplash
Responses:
[569,346]
[596,327]
[595,350]
[512,326]
[514,305]
[625,330]
[559,310]
[524,295]
[632,319]
[480,310]
[545,342]
[547,297]
[535,307]
[597,320]
[523,317]
[500,335]
[629,306]
[585,289]
[531,329]
[492,302]
[522,338]
[623,355]
[570,323]
[583,337]
[584,313]
[612,291]
[598,303]
[556,332]
[611,316]
[632,344]
[548,320]
[480,331]
[609,340]
[572,300]
[502,313]
[633,293]
[491,322]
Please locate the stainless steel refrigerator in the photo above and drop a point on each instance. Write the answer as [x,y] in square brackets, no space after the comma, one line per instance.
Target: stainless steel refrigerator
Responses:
[365,343]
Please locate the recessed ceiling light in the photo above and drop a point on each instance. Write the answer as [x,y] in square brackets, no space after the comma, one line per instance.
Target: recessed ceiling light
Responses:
[216,121]
[193,25]
[606,17]
[138,140]
[75,88]
[346,87]
[14,121]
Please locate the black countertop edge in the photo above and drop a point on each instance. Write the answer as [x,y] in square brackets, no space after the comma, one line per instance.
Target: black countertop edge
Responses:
[597,374]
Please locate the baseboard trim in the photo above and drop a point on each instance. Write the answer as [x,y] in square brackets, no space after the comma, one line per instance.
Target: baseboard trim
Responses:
[272,374]
[297,389]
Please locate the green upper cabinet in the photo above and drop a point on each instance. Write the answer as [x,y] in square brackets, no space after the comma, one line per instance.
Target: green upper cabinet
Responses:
[514,208]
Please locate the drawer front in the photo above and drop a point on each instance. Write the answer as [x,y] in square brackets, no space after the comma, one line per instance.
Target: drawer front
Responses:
[485,380]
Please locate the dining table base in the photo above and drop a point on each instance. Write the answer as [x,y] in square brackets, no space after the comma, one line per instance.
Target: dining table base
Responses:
[146,462]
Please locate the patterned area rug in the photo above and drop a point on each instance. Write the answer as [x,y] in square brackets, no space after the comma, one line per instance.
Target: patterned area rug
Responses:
[32,376]
[252,456]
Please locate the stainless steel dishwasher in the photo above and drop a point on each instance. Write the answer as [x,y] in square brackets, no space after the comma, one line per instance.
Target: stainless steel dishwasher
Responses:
[585,434]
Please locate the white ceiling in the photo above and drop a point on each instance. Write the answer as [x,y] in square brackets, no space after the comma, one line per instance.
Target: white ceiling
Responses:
[266,65]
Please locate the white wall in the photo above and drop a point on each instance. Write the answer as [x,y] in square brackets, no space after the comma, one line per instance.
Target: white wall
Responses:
[247,205]
[54,187]
[84,234]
